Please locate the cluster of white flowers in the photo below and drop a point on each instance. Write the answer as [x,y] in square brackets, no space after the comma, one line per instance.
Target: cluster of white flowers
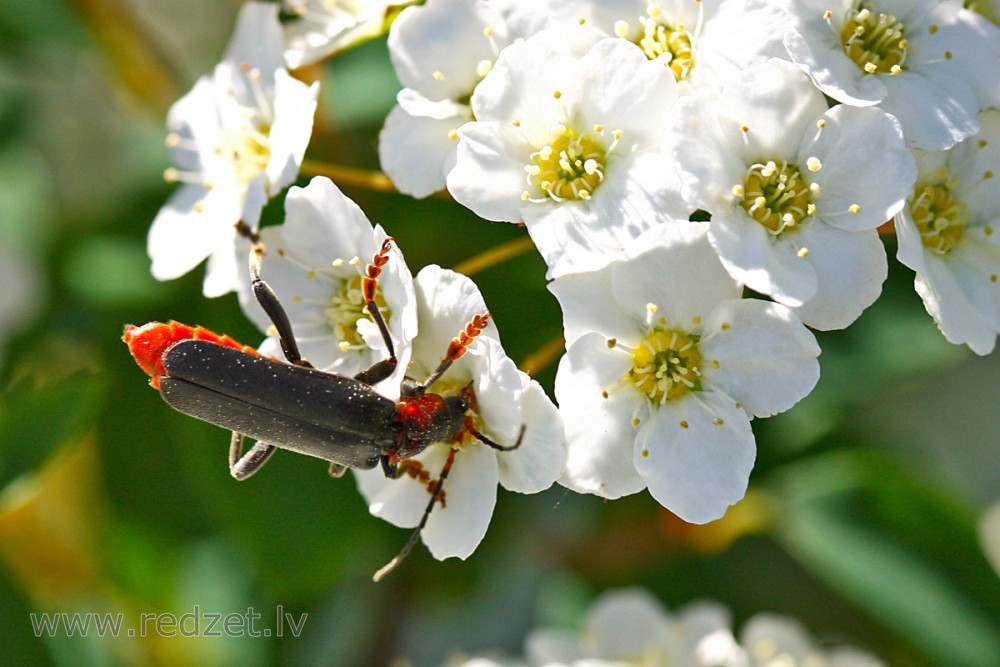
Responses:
[665,157]
[629,627]
[610,125]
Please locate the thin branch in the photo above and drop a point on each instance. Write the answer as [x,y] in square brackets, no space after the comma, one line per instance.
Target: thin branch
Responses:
[495,255]
[545,356]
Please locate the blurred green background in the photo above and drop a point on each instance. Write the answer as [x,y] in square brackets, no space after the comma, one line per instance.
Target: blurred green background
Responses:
[860,522]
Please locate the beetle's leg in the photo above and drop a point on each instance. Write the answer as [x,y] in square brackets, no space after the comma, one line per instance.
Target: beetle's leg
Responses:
[268,300]
[242,465]
[390,466]
[456,349]
[377,372]
[337,470]
[486,441]
[391,565]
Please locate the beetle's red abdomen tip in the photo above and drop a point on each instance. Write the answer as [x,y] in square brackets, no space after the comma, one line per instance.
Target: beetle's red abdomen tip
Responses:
[150,342]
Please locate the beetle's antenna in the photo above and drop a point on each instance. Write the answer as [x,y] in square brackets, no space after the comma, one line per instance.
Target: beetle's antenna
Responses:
[368,287]
[456,349]
[391,565]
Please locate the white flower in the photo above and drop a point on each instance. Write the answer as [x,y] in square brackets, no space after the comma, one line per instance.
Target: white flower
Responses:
[665,366]
[504,400]
[923,61]
[237,139]
[796,191]
[441,50]
[568,144]
[315,263]
[772,640]
[704,42]
[948,234]
[321,28]
[629,626]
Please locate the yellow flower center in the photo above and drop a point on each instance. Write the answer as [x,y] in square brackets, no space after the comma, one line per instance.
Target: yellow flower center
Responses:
[666,365]
[347,307]
[940,217]
[671,43]
[249,147]
[873,39]
[776,195]
[570,167]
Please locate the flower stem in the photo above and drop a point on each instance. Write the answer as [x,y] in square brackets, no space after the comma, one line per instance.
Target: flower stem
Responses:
[362,178]
[544,357]
[494,256]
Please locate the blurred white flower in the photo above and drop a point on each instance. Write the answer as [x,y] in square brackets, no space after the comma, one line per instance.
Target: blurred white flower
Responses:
[566,139]
[665,366]
[794,215]
[315,263]
[948,234]
[778,641]
[237,139]
[441,50]
[321,28]
[704,42]
[630,627]
[922,61]
[503,400]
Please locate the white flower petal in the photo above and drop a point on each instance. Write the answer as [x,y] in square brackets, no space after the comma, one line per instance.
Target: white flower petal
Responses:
[850,268]
[814,47]
[182,235]
[257,41]
[599,431]
[424,40]
[417,152]
[762,262]
[488,176]
[588,304]
[294,108]
[776,104]
[541,458]
[573,239]
[456,529]
[226,267]
[760,354]
[854,136]
[625,623]
[629,87]
[696,471]
[659,271]
[936,111]
[959,294]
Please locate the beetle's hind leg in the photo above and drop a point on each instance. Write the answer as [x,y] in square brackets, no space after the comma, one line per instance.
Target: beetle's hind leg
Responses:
[243,465]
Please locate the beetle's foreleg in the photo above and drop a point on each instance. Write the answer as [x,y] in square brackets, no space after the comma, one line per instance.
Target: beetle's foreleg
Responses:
[391,565]
[242,465]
